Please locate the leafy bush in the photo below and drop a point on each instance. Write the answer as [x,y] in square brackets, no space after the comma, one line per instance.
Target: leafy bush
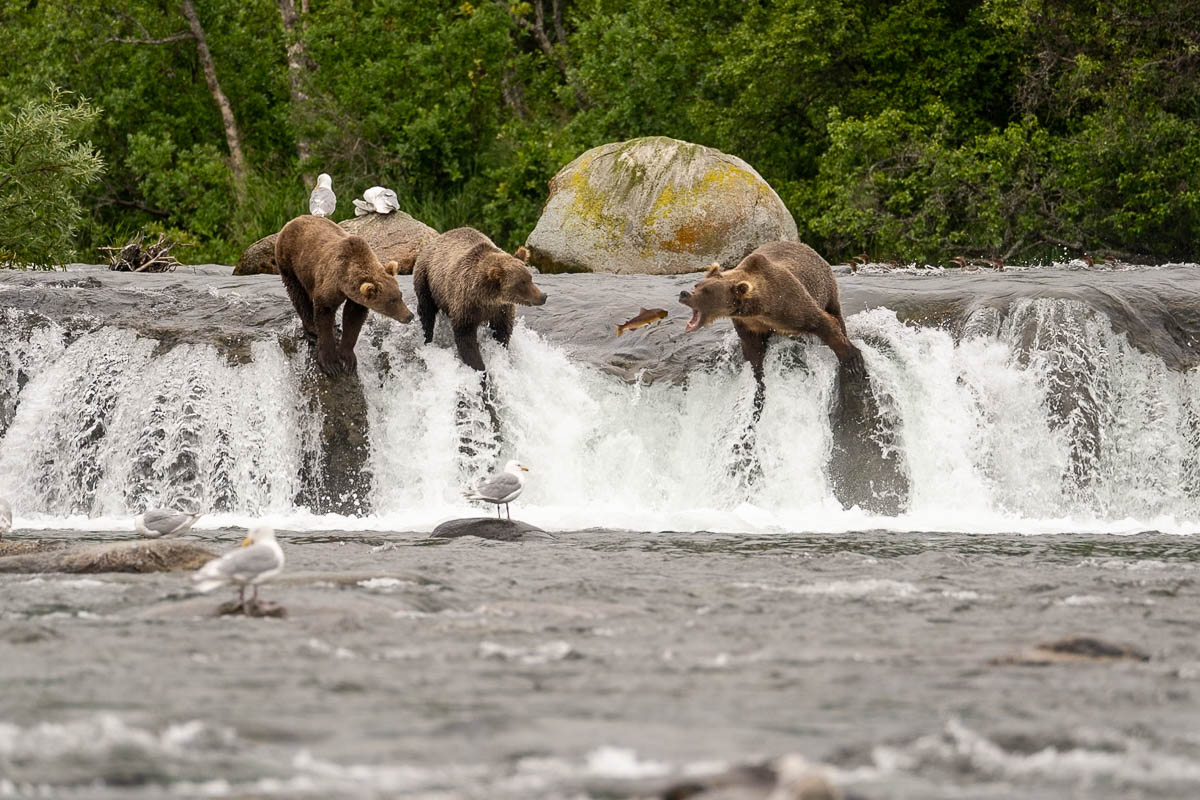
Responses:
[44,168]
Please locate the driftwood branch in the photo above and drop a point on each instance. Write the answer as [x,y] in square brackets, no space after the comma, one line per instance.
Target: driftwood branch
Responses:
[139,257]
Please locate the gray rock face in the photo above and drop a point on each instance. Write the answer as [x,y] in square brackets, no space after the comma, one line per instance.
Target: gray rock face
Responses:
[655,206]
[395,236]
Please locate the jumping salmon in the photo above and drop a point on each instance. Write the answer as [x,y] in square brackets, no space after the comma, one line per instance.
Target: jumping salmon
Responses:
[645,317]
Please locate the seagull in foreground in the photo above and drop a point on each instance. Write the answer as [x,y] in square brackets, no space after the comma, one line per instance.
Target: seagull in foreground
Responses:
[377,200]
[322,201]
[259,559]
[501,487]
[158,522]
[5,516]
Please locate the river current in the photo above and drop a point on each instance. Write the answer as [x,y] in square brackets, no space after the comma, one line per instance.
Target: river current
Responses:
[1037,431]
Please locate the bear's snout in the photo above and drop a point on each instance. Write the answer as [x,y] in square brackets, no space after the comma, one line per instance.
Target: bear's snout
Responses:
[406,317]
[541,301]
[685,297]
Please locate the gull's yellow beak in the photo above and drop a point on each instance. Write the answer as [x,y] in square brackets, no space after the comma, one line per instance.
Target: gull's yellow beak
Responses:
[525,469]
[247,542]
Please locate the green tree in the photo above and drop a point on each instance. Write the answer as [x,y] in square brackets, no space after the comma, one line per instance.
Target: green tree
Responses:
[45,164]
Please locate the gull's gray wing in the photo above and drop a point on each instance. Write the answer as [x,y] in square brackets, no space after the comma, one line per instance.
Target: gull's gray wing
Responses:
[498,486]
[246,563]
[164,520]
[322,201]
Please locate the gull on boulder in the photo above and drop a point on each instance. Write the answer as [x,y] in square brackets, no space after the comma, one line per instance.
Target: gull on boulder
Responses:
[376,200]
[158,522]
[501,487]
[259,559]
[322,201]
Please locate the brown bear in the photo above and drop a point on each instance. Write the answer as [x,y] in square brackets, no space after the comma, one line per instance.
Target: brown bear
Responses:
[781,287]
[472,281]
[323,267]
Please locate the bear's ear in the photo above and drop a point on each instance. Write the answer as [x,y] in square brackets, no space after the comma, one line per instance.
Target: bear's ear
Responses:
[367,290]
[713,271]
[752,263]
[392,267]
[743,289]
[495,273]
[522,253]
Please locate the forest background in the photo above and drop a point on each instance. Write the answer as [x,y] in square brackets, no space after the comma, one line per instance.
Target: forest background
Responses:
[910,129]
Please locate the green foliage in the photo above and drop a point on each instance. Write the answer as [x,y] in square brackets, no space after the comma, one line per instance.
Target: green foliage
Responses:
[913,129]
[44,166]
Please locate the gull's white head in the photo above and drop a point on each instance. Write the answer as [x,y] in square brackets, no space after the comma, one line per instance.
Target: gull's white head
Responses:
[259,534]
[515,467]
[324,181]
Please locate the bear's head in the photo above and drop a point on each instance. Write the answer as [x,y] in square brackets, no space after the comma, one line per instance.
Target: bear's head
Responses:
[370,283]
[719,294]
[511,279]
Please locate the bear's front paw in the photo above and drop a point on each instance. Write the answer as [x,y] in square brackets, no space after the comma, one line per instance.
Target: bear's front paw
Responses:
[350,361]
[330,363]
[854,367]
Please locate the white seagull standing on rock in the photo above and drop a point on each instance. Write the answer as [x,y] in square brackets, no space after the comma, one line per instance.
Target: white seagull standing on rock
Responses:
[376,200]
[158,522]
[322,201]
[501,487]
[259,559]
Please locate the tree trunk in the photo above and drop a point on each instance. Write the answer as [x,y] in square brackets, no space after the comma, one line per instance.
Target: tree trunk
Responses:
[237,163]
[297,61]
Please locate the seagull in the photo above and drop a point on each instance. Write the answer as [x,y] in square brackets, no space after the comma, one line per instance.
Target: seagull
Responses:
[259,559]
[322,201]
[501,487]
[377,200]
[158,522]
[5,516]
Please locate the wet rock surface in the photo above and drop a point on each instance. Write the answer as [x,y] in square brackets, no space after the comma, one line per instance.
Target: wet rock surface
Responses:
[500,530]
[160,555]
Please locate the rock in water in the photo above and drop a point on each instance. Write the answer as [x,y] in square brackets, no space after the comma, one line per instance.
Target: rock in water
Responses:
[258,258]
[393,237]
[500,530]
[655,206]
[158,555]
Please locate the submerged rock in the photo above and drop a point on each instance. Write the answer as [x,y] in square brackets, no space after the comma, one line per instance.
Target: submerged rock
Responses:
[500,530]
[655,206]
[786,778]
[1072,649]
[159,555]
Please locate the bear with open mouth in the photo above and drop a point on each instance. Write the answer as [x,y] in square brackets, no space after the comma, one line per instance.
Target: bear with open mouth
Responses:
[781,287]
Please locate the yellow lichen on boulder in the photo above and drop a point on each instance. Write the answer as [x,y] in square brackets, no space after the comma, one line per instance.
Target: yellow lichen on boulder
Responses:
[655,206]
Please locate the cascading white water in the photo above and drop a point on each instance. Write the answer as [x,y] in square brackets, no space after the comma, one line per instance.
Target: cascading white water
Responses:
[1038,419]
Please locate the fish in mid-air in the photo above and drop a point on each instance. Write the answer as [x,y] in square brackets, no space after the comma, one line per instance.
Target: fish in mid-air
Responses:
[646,316]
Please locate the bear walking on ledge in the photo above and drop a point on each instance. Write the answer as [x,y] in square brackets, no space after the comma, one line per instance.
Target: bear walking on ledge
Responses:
[323,267]
[781,287]
[472,281]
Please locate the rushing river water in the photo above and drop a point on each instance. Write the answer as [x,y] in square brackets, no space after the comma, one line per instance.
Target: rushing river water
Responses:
[688,613]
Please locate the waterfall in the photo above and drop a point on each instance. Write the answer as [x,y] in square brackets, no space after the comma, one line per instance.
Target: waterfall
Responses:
[1038,416]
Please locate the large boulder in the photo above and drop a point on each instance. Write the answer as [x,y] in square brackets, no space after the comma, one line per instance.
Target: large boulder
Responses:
[395,236]
[655,206]
[156,555]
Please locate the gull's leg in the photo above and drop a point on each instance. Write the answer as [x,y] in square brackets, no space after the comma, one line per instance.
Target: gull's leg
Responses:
[509,513]
[242,595]
[497,511]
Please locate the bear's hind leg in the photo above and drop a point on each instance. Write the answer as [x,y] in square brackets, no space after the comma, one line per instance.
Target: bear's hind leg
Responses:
[426,306]
[301,300]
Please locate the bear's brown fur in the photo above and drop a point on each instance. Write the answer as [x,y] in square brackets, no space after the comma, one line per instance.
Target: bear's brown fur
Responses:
[323,267]
[472,281]
[781,287]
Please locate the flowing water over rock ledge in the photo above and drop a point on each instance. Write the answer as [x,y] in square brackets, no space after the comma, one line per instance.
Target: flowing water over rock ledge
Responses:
[1023,395]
